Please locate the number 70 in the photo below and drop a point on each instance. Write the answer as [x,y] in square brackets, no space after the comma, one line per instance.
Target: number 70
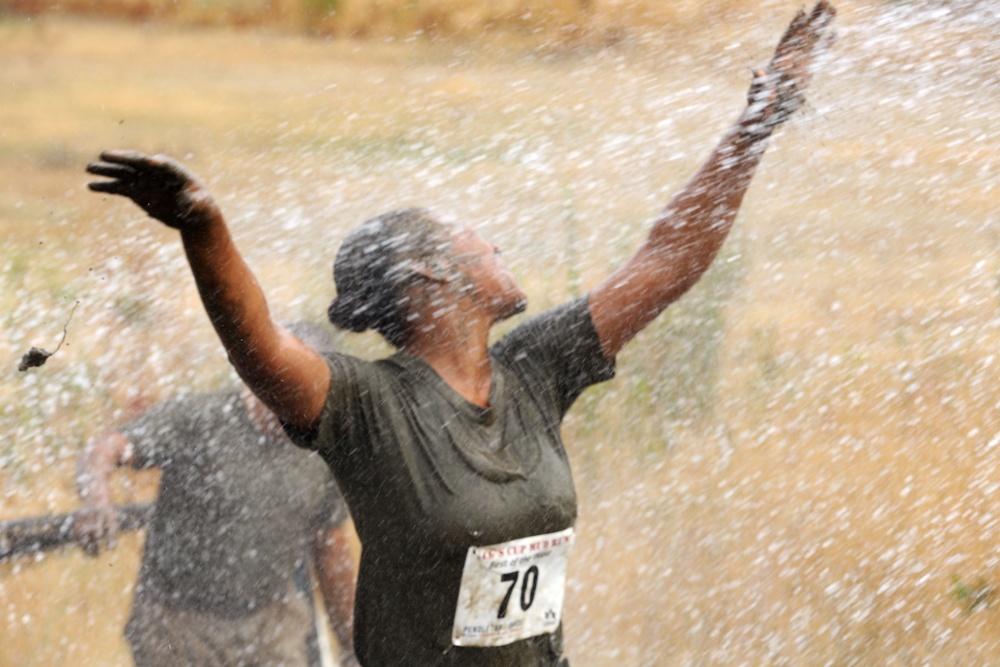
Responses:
[529,584]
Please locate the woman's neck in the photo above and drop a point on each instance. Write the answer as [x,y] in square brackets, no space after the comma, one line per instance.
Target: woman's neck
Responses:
[458,351]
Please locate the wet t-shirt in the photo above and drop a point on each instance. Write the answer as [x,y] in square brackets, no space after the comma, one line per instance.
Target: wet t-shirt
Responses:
[235,510]
[428,475]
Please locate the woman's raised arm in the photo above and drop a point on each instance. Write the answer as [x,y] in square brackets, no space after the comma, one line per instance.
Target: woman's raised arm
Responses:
[689,232]
[285,373]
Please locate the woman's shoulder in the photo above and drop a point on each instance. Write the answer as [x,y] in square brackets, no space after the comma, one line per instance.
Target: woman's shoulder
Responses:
[553,326]
[356,370]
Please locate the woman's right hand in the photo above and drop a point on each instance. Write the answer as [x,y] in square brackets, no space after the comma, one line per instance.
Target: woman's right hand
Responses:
[163,187]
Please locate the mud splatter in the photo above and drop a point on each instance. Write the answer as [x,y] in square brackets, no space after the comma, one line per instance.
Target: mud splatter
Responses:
[37,356]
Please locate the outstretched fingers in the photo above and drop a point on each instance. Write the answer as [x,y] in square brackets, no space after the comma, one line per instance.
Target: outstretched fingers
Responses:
[793,33]
[779,92]
[110,170]
[122,167]
[822,15]
[796,47]
[161,186]
[129,158]
[815,29]
[117,163]
[129,168]
[120,177]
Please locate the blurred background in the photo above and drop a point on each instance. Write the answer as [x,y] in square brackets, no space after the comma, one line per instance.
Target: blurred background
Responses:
[797,465]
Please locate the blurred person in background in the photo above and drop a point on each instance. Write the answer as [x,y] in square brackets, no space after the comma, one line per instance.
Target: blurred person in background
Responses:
[224,579]
[449,451]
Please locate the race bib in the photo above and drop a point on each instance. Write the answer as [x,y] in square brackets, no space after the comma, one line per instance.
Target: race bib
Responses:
[512,591]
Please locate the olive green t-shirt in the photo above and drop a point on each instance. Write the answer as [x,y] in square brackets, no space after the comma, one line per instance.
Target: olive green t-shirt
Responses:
[427,475]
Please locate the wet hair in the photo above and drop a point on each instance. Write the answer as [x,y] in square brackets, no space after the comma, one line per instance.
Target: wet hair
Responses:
[312,334]
[376,264]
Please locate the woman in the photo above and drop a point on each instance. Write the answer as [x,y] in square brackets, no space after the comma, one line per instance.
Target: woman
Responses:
[449,451]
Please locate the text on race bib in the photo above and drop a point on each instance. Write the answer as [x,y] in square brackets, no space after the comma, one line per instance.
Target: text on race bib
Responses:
[512,591]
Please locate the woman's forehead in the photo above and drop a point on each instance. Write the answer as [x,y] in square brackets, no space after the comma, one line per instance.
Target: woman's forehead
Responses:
[458,231]
[466,236]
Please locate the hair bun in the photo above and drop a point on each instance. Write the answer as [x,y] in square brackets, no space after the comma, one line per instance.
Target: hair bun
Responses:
[346,313]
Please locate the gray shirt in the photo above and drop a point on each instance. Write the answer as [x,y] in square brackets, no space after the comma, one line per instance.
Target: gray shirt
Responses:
[427,475]
[235,508]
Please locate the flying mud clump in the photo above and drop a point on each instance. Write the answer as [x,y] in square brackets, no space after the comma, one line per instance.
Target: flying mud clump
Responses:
[37,356]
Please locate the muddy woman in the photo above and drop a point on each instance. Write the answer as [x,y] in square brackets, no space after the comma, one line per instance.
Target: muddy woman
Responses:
[449,452]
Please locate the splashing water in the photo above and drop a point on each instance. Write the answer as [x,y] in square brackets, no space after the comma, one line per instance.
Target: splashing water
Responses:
[796,465]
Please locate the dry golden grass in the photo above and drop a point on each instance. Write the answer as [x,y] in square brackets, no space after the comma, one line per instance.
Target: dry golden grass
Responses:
[573,22]
[841,467]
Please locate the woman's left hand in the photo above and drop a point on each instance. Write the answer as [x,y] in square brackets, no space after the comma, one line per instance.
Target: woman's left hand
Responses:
[779,91]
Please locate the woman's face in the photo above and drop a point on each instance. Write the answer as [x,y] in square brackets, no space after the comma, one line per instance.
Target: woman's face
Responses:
[490,280]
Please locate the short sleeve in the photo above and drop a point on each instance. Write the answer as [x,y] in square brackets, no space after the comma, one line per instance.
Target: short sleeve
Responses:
[343,417]
[157,434]
[559,351]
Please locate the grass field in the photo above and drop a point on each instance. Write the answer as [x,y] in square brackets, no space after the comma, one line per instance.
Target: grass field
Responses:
[797,466]
[567,21]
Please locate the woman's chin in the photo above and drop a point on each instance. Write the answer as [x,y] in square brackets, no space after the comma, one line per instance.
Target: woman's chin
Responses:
[511,307]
